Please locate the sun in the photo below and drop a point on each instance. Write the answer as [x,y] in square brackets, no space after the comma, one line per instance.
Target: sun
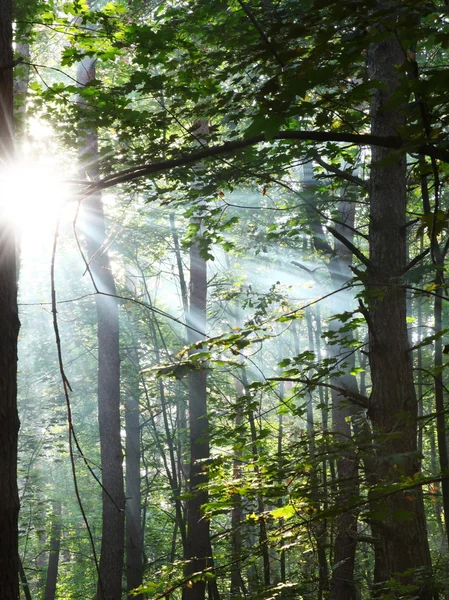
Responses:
[32,196]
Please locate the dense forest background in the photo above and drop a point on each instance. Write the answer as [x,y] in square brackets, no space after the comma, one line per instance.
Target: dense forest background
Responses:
[224,225]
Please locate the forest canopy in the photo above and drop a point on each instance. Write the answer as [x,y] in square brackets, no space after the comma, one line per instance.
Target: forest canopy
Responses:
[223,241]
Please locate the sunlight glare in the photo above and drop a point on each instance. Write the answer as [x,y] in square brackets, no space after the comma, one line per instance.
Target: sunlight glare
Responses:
[32,195]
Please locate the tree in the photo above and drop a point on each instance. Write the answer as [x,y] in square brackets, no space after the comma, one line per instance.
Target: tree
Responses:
[113,534]
[393,403]
[9,329]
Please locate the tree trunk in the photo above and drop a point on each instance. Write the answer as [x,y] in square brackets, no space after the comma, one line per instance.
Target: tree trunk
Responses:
[318,529]
[113,514]
[25,587]
[401,545]
[133,521]
[9,329]
[342,585]
[237,587]
[198,549]
[53,559]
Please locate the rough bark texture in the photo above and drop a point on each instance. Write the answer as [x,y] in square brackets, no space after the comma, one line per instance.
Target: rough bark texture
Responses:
[113,514]
[9,329]
[401,545]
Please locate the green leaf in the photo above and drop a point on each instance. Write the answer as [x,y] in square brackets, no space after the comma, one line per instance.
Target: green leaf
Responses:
[284,512]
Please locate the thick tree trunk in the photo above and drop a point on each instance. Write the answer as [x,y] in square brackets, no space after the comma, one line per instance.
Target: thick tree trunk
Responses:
[113,514]
[9,329]
[53,559]
[401,545]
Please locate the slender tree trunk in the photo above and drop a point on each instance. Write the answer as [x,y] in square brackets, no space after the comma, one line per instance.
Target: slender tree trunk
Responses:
[181,405]
[169,461]
[401,545]
[263,537]
[53,559]
[437,498]
[113,513]
[9,329]
[25,587]
[198,551]
[237,584]
[282,557]
[133,520]
[198,548]
[319,529]
[342,585]
[439,397]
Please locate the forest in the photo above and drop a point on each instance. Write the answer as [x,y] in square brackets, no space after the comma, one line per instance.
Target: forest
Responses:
[224,328]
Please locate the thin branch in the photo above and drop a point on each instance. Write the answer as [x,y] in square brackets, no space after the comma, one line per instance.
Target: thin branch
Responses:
[354,397]
[66,388]
[261,32]
[340,173]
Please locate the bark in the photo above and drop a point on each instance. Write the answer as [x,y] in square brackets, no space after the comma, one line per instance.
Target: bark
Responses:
[198,551]
[9,329]
[21,82]
[343,585]
[282,557]
[53,559]
[401,546]
[113,509]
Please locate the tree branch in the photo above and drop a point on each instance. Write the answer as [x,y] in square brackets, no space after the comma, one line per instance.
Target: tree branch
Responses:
[134,173]
[416,260]
[355,397]
[340,173]
[350,246]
